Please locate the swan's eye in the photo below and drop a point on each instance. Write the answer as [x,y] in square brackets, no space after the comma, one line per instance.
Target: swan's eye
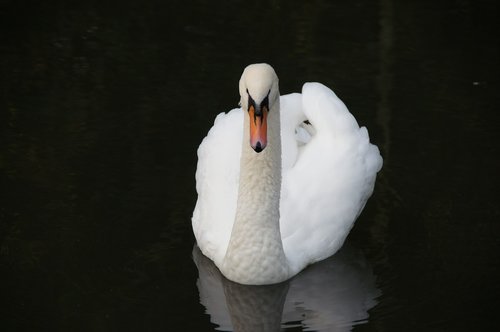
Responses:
[247,92]
[251,102]
[265,103]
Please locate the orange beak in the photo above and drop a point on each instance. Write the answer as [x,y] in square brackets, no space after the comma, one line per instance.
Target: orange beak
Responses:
[258,128]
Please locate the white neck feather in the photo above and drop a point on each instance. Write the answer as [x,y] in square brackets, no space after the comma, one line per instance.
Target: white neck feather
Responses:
[255,252]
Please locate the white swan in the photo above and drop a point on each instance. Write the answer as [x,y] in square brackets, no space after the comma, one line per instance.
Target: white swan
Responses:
[275,193]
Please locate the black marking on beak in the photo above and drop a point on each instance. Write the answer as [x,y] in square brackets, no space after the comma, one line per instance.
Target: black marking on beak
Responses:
[257,108]
[258,148]
[264,104]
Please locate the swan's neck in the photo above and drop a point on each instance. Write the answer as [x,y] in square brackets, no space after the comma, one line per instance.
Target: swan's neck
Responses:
[255,252]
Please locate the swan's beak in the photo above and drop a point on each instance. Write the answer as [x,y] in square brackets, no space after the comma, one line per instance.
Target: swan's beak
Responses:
[258,127]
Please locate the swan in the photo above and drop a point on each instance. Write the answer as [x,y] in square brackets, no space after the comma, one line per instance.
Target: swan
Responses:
[280,180]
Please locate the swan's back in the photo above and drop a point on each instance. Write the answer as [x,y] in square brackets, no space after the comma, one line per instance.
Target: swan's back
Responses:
[329,170]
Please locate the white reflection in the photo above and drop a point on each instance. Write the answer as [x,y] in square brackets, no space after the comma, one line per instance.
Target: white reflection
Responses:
[332,295]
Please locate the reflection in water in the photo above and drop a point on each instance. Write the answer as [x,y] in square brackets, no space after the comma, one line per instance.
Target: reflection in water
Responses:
[334,294]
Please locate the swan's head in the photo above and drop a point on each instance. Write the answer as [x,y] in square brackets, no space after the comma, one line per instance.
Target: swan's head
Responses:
[259,95]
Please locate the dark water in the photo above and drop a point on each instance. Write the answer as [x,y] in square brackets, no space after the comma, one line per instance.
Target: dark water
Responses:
[103,105]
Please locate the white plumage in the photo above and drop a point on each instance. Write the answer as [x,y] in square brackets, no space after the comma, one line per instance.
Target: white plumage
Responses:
[328,171]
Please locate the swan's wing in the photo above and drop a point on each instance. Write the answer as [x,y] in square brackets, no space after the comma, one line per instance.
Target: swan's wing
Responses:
[327,186]
[217,177]
[292,116]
